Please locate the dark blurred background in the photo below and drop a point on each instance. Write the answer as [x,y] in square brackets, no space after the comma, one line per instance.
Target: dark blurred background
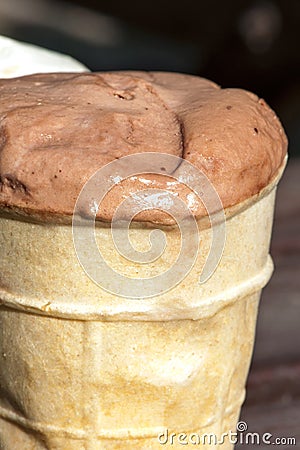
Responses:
[253,44]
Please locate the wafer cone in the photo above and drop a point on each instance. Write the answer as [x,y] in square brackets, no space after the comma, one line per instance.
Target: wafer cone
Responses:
[82,369]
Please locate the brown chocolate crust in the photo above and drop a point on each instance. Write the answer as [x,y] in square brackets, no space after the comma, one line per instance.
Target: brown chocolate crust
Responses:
[56,130]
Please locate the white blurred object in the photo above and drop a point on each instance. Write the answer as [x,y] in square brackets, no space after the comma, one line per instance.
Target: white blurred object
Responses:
[19,58]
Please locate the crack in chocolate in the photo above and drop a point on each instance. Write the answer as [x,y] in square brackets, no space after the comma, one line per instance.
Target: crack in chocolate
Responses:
[173,114]
[3,136]
[7,181]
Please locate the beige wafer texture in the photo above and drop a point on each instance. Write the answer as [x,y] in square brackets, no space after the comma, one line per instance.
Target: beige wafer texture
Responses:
[82,369]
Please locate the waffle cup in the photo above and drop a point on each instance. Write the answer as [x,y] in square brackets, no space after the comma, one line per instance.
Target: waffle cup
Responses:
[82,369]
